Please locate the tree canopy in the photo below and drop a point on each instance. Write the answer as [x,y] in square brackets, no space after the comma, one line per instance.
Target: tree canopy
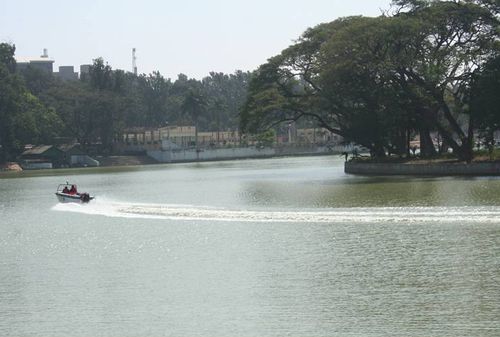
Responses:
[23,118]
[377,81]
[425,67]
[37,108]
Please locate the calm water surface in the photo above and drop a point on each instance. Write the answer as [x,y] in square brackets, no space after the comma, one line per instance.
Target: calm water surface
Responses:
[274,247]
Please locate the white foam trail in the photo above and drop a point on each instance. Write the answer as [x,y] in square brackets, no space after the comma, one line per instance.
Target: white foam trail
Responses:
[485,214]
[101,206]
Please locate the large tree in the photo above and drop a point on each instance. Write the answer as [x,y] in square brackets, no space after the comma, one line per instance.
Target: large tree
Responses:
[23,118]
[194,105]
[11,92]
[333,76]
[449,42]
[484,99]
[374,80]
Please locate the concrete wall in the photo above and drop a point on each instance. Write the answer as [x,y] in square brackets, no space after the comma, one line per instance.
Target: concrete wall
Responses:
[36,166]
[438,169]
[174,156]
[66,73]
[83,160]
[46,66]
[189,155]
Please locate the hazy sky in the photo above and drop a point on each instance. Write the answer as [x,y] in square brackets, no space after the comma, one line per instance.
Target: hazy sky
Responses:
[192,37]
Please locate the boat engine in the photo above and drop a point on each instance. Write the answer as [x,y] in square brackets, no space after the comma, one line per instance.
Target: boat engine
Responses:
[85,197]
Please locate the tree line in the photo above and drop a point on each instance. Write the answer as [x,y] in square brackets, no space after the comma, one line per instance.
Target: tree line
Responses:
[422,68]
[37,108]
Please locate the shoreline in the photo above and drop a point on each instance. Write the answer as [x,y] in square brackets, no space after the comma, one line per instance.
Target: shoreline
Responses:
[438,169]
[184,156]
[131,162]
[355,167]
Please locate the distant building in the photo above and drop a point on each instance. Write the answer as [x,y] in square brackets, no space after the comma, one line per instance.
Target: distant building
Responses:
[182,136]
[74,156]
[46,64]
[84,69]
[41,157]
[51,156]
[218,138]
[66,73]
[176,136]
[43,62]
[140,135]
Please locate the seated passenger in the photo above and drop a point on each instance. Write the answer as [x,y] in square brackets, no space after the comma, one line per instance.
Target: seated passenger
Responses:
[73,190]
[65,190]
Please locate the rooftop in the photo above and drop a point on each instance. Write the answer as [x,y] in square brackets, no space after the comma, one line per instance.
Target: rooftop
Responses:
[37,149]
[21,59]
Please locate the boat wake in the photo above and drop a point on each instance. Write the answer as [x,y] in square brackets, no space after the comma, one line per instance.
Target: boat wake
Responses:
[484,214]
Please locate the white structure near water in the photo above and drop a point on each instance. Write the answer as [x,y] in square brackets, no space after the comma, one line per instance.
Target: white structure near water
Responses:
[173,144]
[170,153]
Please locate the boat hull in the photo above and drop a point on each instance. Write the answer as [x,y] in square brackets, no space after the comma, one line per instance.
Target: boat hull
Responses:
[63,197]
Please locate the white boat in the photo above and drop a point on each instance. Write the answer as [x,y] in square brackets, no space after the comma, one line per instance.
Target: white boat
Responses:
[69,193]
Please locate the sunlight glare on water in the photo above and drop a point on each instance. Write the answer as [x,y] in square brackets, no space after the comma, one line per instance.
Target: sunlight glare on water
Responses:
[289,246]
[488,214]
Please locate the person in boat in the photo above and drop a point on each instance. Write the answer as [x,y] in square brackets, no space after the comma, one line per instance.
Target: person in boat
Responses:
[65,190]
[73,190]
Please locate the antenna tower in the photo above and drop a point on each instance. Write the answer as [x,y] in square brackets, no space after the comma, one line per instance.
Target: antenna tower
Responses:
[134,65]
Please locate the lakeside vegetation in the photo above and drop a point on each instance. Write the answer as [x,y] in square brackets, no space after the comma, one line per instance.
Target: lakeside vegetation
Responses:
[423,68]
[37,108]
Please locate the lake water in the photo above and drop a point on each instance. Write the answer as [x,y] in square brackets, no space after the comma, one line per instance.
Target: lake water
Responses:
[278,247]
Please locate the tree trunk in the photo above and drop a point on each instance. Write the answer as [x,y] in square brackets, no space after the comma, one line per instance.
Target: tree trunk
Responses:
[403,148]
[378,151]
[427,148]
[443,148]
[469,143]
[408,139]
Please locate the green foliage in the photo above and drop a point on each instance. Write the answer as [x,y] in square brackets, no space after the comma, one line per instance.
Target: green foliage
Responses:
[377,81]
[431,66]
[225,93]
[485,99]
[101,76]
[37,108]
[23,118]
[266,138]
[36,124]
[194,105]
[36,80]
[7,60]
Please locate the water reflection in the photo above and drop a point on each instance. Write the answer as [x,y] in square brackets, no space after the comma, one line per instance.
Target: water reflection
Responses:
[250,248]
[375,192]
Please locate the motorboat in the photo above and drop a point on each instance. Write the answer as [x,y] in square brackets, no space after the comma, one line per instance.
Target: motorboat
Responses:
[69,193]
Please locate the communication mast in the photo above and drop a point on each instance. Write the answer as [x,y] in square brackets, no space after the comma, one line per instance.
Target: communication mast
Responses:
[134,65]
